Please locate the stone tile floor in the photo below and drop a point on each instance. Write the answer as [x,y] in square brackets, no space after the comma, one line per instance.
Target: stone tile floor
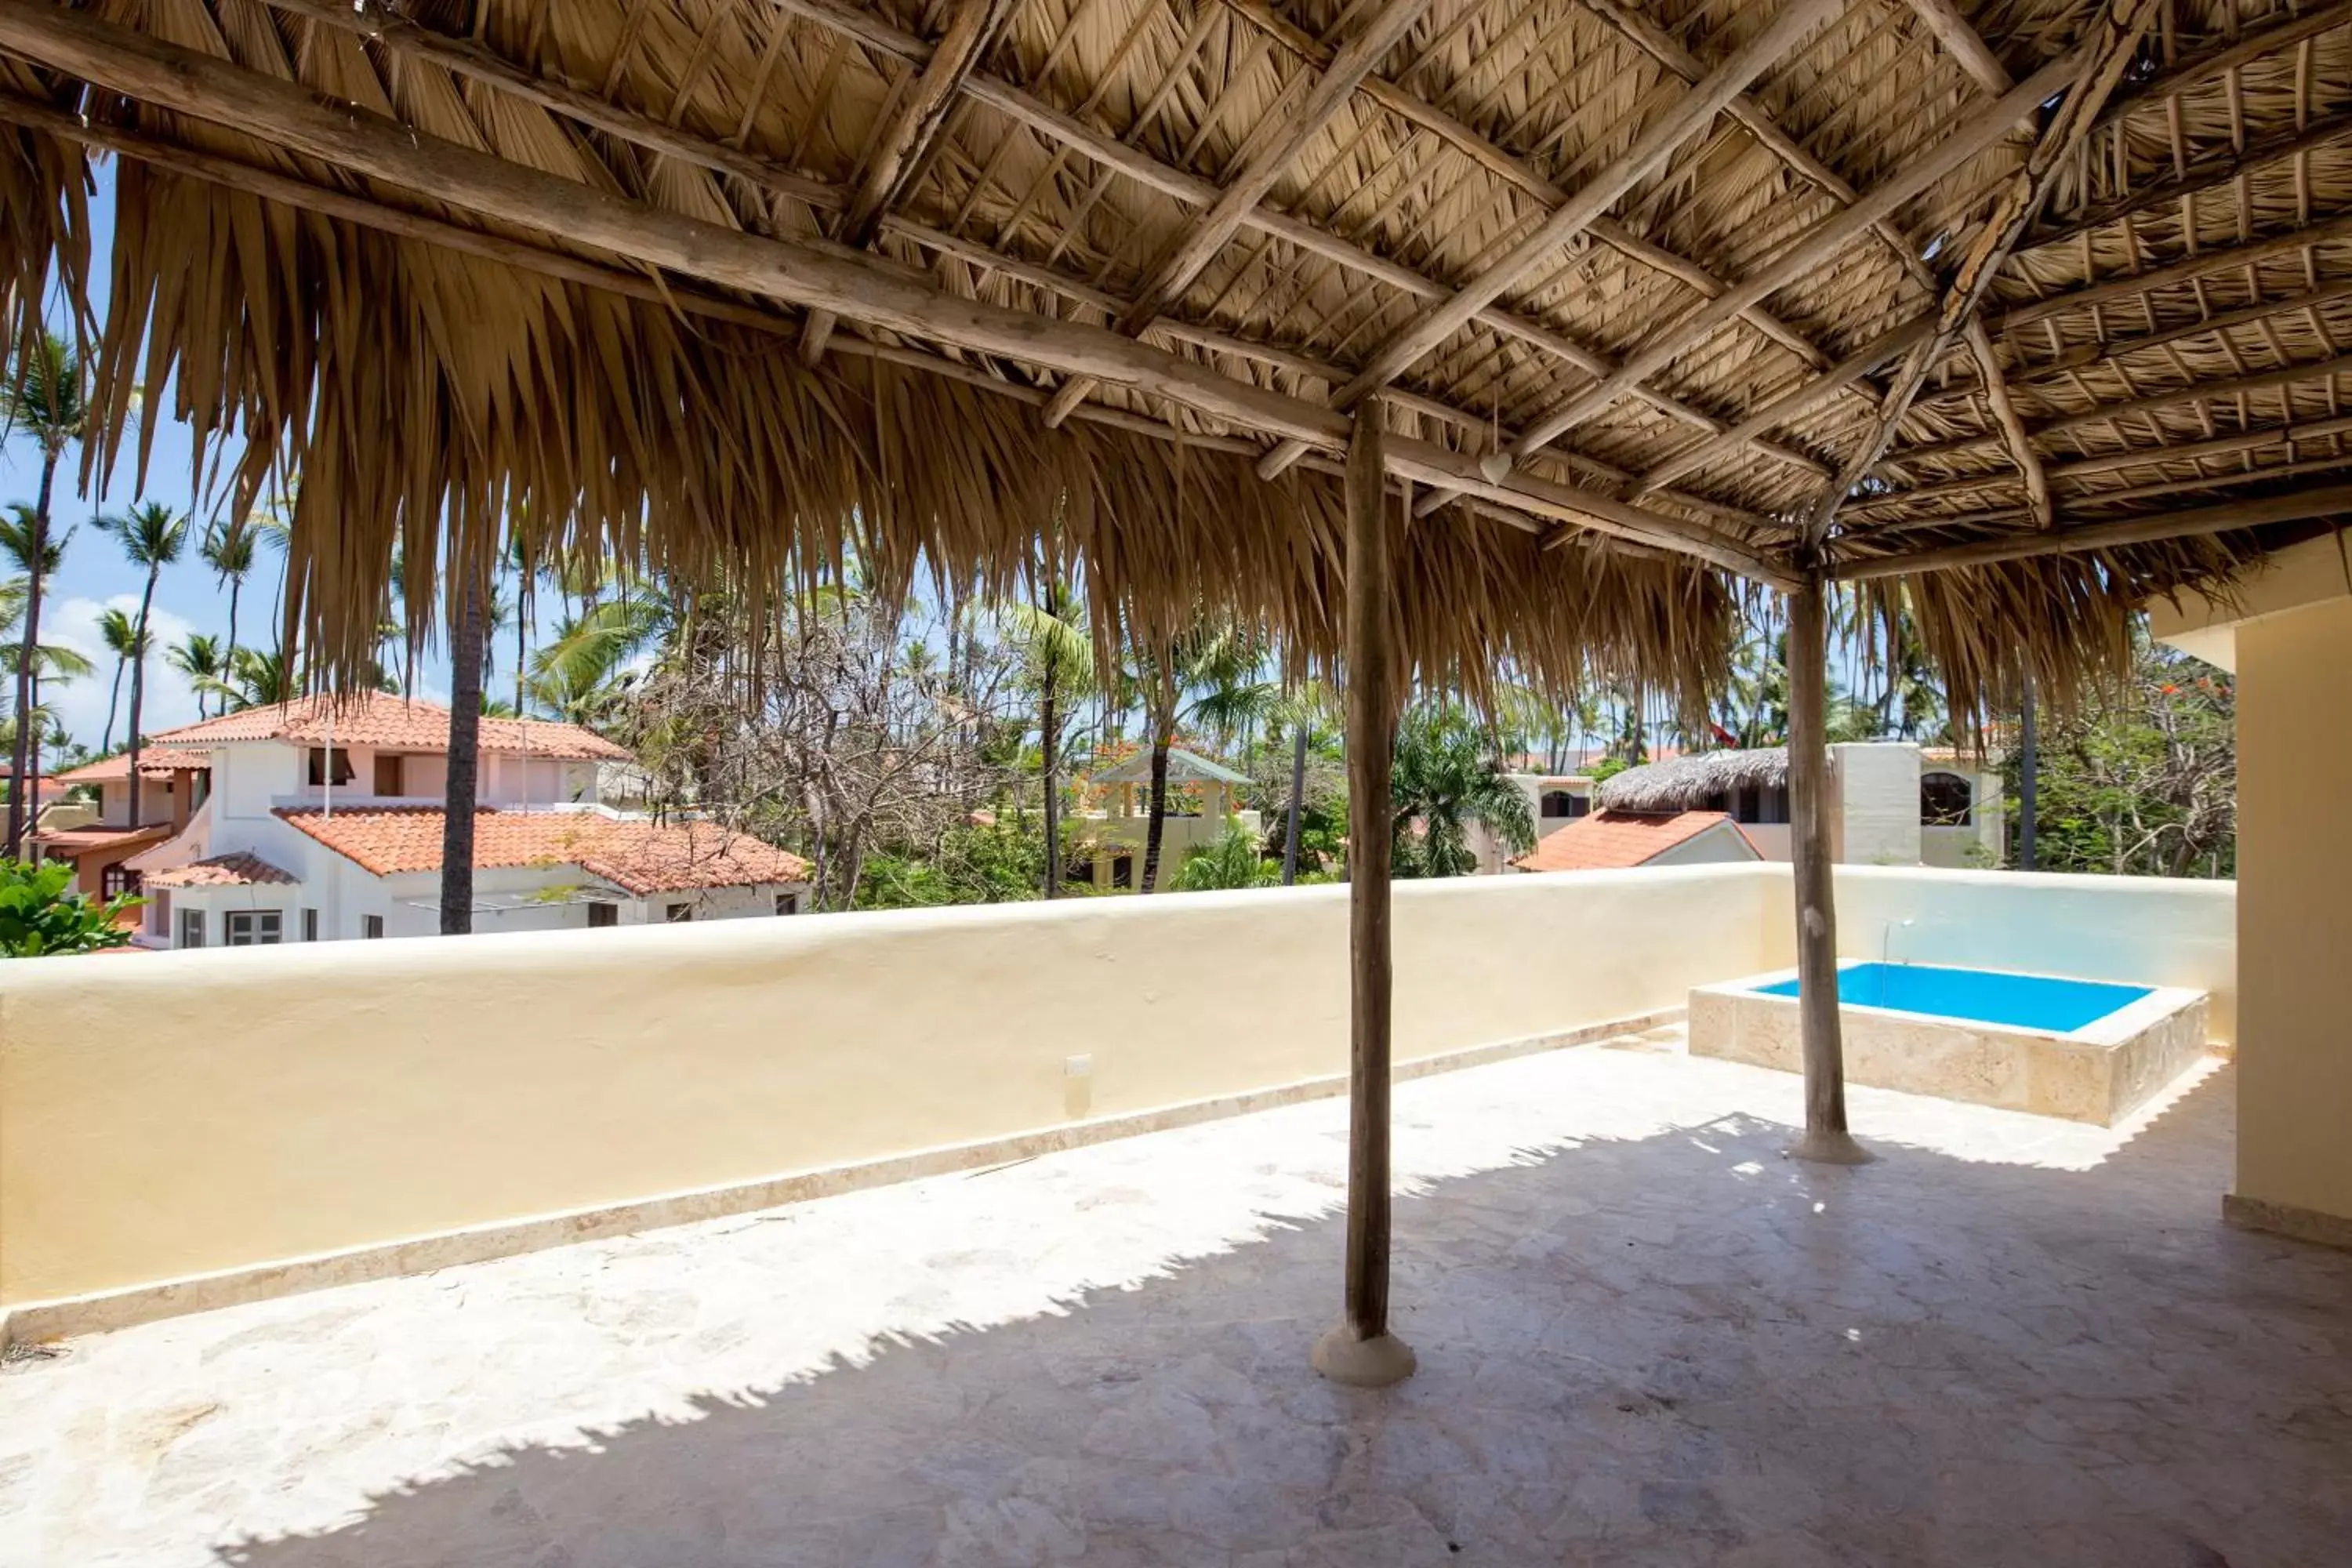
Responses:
[1645,1338]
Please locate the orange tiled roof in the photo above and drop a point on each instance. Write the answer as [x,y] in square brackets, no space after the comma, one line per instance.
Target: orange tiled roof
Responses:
[233,870]
[154,763]
[394,723]
[1612,840]
[633,853]
[90,840]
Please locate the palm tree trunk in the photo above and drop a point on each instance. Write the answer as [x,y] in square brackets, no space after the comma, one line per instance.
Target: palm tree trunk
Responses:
[520,626]
[228,660]
[139,681]
[465,759]
[1047,722]
[19,779]
[1297,791]
[1164,735]
[113,706]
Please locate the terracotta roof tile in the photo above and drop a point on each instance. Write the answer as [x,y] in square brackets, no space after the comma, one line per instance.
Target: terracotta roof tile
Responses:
[1608,840]
[154,763]
[396,723]
[233,870]
[86,840]
[633,853]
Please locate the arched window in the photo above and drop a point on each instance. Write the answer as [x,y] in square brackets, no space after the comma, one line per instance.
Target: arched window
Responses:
[1945,800]
[1562,803]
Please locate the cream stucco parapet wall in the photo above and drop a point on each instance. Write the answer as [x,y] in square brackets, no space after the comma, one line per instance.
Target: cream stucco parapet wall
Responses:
[189,1113]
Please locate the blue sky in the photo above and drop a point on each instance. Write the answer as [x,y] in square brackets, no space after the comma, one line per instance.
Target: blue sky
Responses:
[188,597]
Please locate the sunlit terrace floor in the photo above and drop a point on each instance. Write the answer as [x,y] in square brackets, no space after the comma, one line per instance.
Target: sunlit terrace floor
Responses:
[1645,1338]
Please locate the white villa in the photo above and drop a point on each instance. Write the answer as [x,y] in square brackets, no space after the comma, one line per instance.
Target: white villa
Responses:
[1890,802]
[1110,842]
[318,821]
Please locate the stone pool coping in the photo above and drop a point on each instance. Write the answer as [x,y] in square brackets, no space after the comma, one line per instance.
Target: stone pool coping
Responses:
[2098,1073]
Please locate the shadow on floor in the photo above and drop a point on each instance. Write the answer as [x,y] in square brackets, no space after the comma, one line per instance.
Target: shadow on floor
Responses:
[1683,1349]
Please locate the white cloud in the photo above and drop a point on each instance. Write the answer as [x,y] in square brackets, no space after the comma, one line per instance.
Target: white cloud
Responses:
[80,705]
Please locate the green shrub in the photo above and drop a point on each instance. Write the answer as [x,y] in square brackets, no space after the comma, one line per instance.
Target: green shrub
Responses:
[40,914]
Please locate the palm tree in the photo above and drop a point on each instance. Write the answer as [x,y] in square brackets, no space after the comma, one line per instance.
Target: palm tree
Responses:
[23,541]
[583,675]
[230,549]
[468,660]
[1211,657]
[120,635]
[1232,861]
[201,659]
[1448,776]
[255,678]
[47,392]
[1060,658]
[1304,708]
[152,535]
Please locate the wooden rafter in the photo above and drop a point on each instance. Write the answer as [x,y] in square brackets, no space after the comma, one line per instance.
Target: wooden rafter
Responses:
[1685,119]
[2204,264]
[2221,57]
[895,159]
[1977,132]
[2146,403]
[2006,420]
[2212,173]
[2115,37]
[1524,176]
[857,286]
[1786,406]
[2228,517]
[1271,160]
[1963,43]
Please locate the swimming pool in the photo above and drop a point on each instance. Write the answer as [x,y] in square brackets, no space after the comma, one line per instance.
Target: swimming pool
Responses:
[1980,995]
[2090,1050]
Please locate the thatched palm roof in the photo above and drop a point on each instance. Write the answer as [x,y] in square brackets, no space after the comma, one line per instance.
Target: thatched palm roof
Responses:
[2041,306]
[1685,783]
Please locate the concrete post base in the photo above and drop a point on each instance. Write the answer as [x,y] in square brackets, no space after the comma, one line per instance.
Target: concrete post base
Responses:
[1340,1356]
[1830,1149]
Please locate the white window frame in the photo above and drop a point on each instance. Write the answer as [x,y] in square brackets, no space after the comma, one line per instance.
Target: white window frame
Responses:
[255,923]
[192,928]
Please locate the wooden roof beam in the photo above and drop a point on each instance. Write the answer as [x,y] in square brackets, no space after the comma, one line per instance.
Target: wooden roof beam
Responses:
[2204,264]
[897,156]
[2113,38]
[2209,174]
[1786,406]
[2223,56]
[1977,132]
[2228,517]
[1148,171]
[1959,40]
[858,286]
[1684,119]
[1260,170]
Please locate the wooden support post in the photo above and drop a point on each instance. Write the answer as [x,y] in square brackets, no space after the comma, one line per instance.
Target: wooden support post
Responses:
[1825,1138]
[1359,1350]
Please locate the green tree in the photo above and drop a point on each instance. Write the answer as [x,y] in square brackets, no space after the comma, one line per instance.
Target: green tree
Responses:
[46,393]
[230,549]
[1448,776]
[1057,658]
[1213,661]
[120,635]
[201,659]
[582,676]
[37,556]
[2141,780]
[41,916]
[151,535]
[1232,861]
[255,678]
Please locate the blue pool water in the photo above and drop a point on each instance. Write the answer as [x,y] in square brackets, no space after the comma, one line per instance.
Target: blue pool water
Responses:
[1983,995]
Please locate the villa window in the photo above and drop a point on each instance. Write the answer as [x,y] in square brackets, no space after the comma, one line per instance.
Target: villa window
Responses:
[309,925]
[1560,802]
[788,903]
[116,880]
[371,925]
[255,927]
[1946,800]
[1122,870]
[603,915]
[387,774]
[678,914]
[192,928]
[1766,805]
[339,769]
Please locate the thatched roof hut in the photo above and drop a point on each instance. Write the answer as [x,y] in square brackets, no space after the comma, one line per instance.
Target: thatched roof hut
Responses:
[2039,316]
[1688,782]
